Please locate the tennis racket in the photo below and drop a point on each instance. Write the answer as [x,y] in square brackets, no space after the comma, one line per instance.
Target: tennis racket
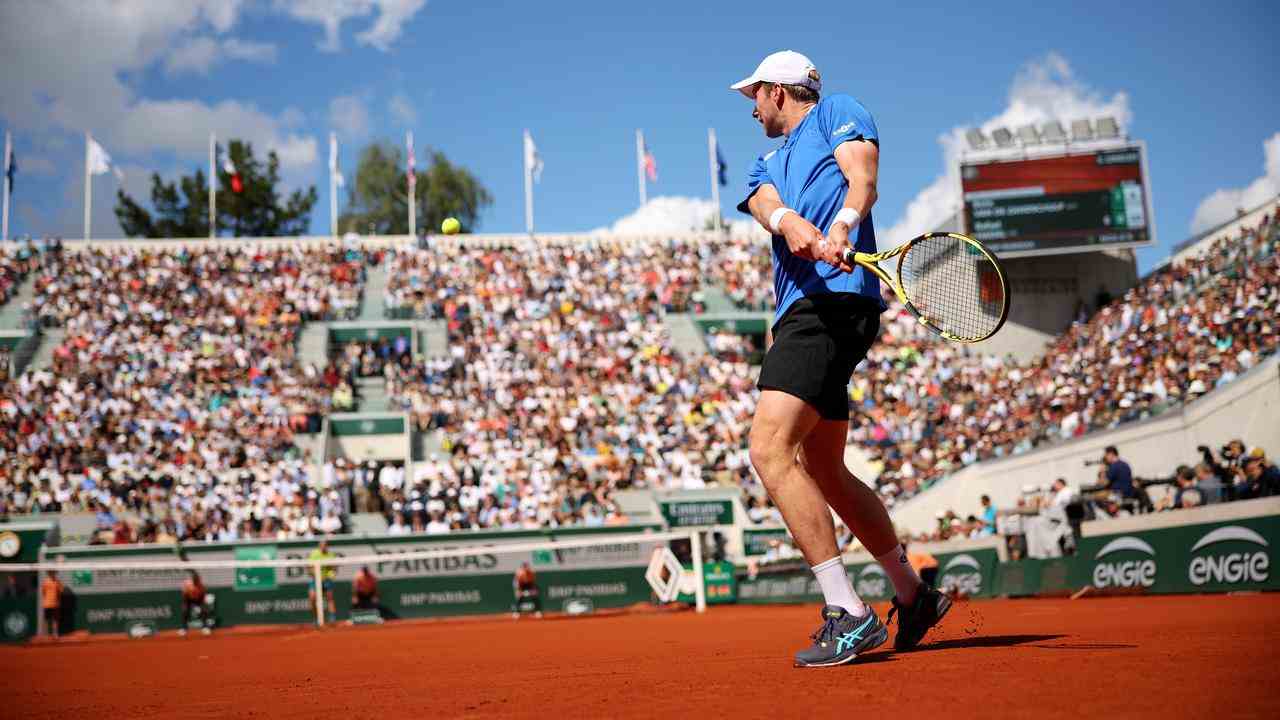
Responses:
[951,283]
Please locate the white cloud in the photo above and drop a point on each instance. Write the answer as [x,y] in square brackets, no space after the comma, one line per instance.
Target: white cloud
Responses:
[348,116]
[52,95]
[1223,204]
[391,19]
[199,54]
[402,109]
[1043,90]
[331,14]
[673,214]
[238,49]
[195,55]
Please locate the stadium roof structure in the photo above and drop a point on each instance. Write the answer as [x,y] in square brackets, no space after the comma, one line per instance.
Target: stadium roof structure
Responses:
[1048,136]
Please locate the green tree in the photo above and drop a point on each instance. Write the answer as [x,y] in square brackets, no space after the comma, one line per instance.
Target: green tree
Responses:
[377,198]
[181,209]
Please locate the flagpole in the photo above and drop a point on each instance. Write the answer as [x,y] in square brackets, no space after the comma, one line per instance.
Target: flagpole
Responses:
[413,190]
[213,186]
[528,184]
[715,173]
[333,187]
[8,183]
[88,194]
[640,166]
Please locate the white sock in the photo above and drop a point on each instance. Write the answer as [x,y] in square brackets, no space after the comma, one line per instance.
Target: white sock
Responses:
[906,583]
[836,588]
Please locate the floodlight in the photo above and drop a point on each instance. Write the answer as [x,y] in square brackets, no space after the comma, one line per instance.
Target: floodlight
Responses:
[1052,132]
[1108,128]
[1081,130]
[977,140]
[1027,135]
[1003,137]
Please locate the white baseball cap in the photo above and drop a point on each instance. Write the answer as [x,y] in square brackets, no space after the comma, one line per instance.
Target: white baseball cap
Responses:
[787,67]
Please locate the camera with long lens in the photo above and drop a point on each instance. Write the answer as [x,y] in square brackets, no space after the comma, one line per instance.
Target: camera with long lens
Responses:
[1091,463]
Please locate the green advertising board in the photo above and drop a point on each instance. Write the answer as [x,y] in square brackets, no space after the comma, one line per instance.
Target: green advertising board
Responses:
[356,426]
[972,573]
[255,578]
[755,541]
[720,582]
[605,574]
[694,513]
[20,542]
[1209,557]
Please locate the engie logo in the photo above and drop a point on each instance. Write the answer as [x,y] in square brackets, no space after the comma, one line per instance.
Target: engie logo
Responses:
[962,574]
[1246,560]
[872,582]
[1126,568]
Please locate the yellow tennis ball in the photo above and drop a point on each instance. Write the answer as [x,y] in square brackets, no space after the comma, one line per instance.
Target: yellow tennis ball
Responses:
[450,226]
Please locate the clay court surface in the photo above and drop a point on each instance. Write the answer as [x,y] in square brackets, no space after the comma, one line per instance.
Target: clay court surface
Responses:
[1189,656]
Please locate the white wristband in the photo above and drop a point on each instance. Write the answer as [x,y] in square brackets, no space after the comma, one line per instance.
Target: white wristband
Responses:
[849,217]
[776,217]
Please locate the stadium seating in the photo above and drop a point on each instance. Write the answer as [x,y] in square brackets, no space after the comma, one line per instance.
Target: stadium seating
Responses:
[175,392]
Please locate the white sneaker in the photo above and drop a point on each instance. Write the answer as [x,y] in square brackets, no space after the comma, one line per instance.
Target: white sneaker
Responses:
[182,632]
[206,631]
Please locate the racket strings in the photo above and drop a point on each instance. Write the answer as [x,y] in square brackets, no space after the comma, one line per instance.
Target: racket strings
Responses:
[953,286]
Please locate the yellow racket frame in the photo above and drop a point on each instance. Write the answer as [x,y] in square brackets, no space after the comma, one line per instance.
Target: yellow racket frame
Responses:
[871,261]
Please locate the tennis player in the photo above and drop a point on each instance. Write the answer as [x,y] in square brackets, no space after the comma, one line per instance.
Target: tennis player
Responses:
[814,194]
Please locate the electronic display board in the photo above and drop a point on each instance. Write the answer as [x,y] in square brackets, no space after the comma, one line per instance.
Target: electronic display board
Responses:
[1063,203]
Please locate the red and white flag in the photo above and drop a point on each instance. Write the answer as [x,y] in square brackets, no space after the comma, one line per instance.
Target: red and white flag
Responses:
[650,165]
[230,168]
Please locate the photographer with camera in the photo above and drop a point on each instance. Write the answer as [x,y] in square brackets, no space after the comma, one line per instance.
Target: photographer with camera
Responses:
[1230,470]
[1116,478]
[1260,478]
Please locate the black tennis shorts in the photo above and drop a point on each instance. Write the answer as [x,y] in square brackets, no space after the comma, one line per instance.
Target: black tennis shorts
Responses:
[816,346]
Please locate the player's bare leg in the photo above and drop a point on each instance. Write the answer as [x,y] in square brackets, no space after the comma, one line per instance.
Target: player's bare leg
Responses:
[779,427]
[822,455]
[778,431]
[918,607]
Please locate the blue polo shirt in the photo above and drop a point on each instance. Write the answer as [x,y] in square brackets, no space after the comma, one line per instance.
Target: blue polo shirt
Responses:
[807,178]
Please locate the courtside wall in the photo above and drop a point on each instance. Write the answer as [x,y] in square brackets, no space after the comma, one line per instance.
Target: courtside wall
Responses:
[1248,408]
[478,581]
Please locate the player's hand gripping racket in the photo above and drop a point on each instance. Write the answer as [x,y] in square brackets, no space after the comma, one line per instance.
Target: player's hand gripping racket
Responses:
[951,283]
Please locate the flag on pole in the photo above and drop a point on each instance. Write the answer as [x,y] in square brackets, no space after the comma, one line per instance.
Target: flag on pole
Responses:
[229,167]
[413,176]
[333,161]
[722,168]
[650,165]
[10,168]
[532,160]
[100,161]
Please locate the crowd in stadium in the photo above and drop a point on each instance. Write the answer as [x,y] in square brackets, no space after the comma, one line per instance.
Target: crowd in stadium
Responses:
[925,408]
[177,370]
[561,384]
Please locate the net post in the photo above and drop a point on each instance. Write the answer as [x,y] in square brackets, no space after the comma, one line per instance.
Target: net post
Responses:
[700,586]
[318,584]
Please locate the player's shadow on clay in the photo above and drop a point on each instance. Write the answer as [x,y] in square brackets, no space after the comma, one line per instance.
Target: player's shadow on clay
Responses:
[986,641]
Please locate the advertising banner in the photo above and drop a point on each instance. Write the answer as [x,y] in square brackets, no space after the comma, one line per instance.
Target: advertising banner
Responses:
[607,574]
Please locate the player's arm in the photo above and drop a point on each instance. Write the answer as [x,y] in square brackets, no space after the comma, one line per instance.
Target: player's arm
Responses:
[859,161]
[803,239]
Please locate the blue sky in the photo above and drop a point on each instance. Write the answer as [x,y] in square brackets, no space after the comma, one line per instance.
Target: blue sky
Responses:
[151,79]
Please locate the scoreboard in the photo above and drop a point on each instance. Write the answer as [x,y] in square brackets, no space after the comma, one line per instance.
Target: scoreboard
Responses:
[1063,203]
